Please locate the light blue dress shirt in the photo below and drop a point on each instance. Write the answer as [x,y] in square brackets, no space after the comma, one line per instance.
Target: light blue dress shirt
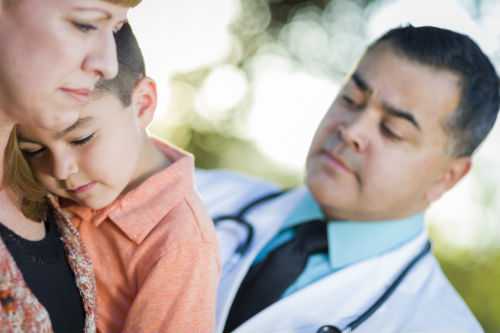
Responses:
[348,241]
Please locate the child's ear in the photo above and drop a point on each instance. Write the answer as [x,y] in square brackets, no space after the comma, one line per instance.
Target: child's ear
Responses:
[144,99]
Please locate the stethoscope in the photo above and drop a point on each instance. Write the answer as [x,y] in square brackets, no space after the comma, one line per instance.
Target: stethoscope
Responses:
[242,248]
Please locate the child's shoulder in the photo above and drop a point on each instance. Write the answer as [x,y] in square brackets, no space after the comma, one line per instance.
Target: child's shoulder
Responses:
[189,220]
[184,223]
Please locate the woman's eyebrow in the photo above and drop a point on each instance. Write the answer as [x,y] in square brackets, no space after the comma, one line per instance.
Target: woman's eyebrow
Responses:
[96,13]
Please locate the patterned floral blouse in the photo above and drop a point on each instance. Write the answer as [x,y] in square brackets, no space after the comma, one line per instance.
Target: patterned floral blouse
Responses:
[20,311]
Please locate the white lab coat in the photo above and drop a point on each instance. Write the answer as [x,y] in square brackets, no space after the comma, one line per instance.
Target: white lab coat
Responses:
[423,302]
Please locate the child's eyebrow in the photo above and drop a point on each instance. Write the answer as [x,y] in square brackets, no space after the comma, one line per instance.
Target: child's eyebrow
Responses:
[22,139]
[78,123]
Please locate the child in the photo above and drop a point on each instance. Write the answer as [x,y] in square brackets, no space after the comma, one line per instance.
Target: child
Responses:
[132,198]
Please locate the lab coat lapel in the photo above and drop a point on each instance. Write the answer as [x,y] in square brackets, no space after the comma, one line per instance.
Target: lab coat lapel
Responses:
[267,221]
[337,299]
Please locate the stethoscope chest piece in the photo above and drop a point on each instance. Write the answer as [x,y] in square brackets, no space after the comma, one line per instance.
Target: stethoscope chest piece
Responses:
[328,329]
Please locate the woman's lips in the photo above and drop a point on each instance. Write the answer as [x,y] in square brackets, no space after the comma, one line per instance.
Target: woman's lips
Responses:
[82,95]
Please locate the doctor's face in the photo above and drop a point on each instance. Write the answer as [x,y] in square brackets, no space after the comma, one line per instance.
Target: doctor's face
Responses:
[381,150]
[52,54]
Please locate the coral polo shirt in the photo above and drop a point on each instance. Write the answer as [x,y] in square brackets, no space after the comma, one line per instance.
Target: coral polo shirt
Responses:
[155,255]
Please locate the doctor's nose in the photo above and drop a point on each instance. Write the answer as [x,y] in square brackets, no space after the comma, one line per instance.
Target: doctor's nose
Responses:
[64,167]
[354,134]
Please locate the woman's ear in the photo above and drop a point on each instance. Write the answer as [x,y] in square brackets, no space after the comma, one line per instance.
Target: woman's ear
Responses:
[144,101]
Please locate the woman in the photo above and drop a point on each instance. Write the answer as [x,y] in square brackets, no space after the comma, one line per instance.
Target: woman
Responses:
[53,54]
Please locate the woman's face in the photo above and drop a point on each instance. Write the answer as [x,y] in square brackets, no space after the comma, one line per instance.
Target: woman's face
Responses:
[53,52]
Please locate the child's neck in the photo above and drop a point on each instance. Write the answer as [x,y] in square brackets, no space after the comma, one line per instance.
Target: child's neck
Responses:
[152,160]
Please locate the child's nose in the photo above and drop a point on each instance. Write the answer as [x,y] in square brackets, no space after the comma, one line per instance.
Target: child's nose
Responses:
[63,168]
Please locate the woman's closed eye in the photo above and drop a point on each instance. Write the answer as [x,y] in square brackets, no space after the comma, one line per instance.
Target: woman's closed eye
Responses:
[84,27]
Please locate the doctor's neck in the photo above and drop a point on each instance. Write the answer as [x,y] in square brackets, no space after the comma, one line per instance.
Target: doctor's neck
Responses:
[332,214]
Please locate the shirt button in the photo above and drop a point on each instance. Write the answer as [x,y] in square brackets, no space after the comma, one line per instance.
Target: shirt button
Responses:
[328,329]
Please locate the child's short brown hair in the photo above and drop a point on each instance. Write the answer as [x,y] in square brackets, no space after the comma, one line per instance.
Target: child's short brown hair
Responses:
[131,67]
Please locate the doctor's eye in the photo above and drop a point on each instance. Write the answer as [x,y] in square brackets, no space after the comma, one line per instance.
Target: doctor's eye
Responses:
[387,132]
[350,102]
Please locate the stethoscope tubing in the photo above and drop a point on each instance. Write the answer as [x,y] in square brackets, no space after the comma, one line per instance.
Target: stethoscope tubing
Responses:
[240,219]
[389,291]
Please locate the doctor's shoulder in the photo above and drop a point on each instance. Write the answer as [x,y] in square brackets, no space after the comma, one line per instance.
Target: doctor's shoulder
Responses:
[223,191]
[439,308]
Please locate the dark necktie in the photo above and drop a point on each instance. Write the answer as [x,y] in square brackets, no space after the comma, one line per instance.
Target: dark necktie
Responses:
[266,281]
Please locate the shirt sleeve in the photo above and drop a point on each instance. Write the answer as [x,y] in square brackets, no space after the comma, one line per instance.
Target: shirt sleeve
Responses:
[177,293]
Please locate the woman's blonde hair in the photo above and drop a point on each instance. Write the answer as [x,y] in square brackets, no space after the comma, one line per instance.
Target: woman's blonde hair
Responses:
[21,180]
[125,3]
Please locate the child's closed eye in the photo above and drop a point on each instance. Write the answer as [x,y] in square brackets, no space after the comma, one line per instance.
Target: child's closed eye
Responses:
[31,152]
[84,140]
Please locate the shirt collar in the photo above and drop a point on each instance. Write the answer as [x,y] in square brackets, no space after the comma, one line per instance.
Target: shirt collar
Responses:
[353,241]
[137,212]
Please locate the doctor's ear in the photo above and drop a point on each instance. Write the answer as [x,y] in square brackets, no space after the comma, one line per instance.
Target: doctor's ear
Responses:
[456,170]
[144,101]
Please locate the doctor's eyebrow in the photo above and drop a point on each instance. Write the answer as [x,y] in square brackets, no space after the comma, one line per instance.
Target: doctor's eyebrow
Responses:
[396,112]
[363,85]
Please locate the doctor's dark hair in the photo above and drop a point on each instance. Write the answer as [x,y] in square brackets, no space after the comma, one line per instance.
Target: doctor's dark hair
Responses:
[447,50]
[131,67]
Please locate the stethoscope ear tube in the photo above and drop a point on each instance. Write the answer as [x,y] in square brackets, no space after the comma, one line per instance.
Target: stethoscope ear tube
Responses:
[243,246]
[240,219]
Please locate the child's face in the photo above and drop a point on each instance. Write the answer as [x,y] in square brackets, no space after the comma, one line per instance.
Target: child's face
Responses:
[94,160]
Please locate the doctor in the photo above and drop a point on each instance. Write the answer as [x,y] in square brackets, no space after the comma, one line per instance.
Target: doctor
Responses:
[348,251]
